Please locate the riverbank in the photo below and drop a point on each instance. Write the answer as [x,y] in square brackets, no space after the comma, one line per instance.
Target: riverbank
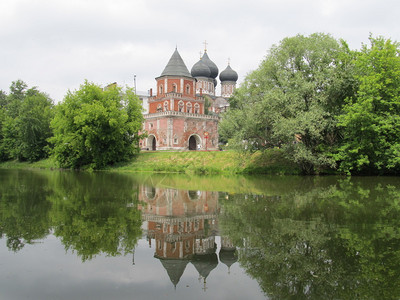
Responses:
[191,162]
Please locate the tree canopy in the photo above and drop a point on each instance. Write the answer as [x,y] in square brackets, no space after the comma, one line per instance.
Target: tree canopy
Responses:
[95,127]
[25,116]
[371,117]
[326,106]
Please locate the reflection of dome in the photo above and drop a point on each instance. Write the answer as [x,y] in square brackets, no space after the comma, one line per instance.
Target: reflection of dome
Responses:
[200,69]
[228,75]
[174,268]
[213,67]
[228,257]
[204,264]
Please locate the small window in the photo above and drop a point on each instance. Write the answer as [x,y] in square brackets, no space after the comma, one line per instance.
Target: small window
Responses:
[189,107]
[180,106]
[161,89]
[188,89]
[174,88]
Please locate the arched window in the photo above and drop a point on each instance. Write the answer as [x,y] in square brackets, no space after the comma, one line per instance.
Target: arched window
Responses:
[174,88]
[189,107]
[187,89]
[161,88]
[196,108]
[180,106]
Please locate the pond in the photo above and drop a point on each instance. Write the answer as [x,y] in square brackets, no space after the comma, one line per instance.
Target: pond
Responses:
[76,235]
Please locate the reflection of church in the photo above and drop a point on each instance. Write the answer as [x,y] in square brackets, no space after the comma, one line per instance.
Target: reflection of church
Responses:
[183,225]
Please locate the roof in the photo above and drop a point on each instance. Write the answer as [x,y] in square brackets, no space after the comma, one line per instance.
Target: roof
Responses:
[213,67]
[228,74]
[176,66]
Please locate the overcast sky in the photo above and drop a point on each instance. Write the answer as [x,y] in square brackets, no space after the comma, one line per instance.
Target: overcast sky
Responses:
[55,45]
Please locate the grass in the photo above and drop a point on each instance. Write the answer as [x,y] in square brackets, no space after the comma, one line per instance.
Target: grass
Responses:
[191,162]
[210,162]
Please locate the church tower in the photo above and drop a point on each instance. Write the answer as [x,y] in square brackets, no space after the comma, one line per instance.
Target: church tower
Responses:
[228,79]
[176,118]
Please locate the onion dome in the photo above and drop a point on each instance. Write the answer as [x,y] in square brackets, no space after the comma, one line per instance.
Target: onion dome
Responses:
[176,66]
[228,75]
[213,67]
[200,69]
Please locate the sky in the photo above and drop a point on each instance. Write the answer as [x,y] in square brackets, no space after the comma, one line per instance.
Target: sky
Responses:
[56,45]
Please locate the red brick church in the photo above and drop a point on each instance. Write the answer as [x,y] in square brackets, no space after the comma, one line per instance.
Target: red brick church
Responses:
[183,115]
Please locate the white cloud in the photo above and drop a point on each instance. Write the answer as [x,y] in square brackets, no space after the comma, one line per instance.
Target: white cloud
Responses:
[56,44]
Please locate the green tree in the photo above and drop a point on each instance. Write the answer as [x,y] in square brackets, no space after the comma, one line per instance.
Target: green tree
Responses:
[291,100]
[95,127]
[371,118]
[25,123]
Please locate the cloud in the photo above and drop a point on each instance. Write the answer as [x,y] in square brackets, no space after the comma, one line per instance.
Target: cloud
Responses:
[56,44]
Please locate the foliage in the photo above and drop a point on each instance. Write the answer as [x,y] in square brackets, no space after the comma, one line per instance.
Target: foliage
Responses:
[25,116]
[371,118]
[291,99]
[95,127]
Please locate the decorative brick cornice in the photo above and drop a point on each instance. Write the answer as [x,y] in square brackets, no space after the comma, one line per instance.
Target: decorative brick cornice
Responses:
[173,95]
[172,113]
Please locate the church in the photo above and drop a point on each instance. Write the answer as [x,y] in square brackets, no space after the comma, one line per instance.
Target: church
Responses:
[184,112]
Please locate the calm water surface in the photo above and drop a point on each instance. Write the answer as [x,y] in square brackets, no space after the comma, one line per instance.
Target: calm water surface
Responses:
[68,235]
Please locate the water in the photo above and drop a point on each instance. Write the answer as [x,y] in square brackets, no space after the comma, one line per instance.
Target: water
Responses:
[69,235]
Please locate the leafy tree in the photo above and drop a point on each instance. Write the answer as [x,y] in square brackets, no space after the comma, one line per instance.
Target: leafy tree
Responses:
[25,123]
[290,101]
[371,118]
[96,127]
[3,99]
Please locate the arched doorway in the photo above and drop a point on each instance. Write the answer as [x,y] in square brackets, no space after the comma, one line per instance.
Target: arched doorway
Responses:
[152,143]
[194,142]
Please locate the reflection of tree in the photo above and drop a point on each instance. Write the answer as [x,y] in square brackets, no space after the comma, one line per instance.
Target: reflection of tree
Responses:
[94,213]
[334,241]
[24,210]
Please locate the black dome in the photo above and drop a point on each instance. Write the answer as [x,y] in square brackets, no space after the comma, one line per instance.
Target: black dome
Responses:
[213,67]
[200,69]
[228,75]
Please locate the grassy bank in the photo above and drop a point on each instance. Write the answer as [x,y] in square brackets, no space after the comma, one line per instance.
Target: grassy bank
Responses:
[192,162]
